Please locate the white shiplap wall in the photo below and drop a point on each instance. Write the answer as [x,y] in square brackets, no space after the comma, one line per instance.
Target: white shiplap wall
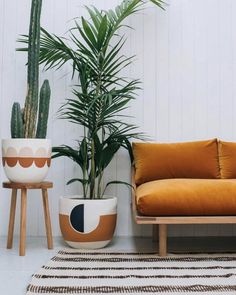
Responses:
[186,58]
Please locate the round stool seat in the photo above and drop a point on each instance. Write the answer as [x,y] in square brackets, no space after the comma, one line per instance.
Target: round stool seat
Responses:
[17,185]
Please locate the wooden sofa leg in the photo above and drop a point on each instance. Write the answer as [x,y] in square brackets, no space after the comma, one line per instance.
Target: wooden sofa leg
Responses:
[162,240]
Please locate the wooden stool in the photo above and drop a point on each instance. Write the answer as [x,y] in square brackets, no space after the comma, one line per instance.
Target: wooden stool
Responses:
[44,186]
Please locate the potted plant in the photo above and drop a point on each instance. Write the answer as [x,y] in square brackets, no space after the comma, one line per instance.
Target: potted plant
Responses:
[26,156]
[102,93]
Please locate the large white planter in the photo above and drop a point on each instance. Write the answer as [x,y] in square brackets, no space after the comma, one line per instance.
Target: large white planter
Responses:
[88,224]
[26,160]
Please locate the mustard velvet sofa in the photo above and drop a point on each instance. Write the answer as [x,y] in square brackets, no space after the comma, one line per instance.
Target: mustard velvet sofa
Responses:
[184,183]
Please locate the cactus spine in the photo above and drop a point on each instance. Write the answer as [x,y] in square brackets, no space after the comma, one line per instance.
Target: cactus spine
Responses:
[45,93]
[31,102]
[17,129]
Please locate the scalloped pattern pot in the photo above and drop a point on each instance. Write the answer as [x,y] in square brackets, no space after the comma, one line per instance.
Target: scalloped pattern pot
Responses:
[26,160]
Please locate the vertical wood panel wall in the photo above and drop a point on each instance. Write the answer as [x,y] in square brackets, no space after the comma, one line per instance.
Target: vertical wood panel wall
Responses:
[186,59]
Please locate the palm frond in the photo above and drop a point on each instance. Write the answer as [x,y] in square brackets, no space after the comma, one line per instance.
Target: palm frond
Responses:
[94,47]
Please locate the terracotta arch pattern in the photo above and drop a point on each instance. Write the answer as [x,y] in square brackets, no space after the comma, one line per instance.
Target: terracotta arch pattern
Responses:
[103,232]
[26,157]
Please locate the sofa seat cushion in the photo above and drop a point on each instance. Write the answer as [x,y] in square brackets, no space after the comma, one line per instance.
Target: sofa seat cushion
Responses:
[187,197]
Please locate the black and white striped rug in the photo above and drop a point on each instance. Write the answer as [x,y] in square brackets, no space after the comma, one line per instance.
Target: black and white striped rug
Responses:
[96,272]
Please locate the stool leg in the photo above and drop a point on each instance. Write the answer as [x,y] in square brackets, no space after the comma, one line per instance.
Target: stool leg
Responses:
[23,222]
[11,219]
[47,218]
[162,240]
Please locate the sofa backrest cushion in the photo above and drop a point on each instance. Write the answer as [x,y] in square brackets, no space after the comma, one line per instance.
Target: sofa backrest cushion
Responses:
[227,159]
[155,161]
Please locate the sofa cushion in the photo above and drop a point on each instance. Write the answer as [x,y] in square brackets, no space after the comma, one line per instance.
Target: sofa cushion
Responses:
[227,159]
[197,159]
[187,197]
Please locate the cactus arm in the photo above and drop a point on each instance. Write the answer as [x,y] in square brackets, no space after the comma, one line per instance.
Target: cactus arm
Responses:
[45,93]
[31,103]
[17,128]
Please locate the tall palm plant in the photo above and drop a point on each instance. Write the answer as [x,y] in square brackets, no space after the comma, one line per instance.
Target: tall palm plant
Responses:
[94,50]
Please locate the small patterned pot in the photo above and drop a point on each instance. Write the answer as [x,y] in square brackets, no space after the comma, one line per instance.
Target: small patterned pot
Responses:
[26,160]
[88,224]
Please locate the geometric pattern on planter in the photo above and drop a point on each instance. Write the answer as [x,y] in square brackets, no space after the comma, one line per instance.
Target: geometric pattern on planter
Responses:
[26,160]
[103,232]
[88,224]
[26,157]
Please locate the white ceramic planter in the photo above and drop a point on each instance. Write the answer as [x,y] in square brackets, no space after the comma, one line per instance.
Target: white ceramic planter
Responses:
[88,224]
[26,160]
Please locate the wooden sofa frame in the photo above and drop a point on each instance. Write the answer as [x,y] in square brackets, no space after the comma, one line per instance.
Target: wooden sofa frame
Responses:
[164,221]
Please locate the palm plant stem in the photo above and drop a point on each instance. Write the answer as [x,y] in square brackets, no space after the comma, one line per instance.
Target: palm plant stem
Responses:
[84,185]
[100,178]
[93,172]
[99,195]
[93,176]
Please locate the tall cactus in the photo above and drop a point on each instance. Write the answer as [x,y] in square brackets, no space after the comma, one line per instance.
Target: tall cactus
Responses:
[30,111]
[31,102]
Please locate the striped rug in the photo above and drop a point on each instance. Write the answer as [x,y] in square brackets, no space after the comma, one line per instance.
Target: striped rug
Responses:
[97,272]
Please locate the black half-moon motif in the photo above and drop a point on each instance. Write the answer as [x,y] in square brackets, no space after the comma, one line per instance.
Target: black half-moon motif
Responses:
[77,218]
